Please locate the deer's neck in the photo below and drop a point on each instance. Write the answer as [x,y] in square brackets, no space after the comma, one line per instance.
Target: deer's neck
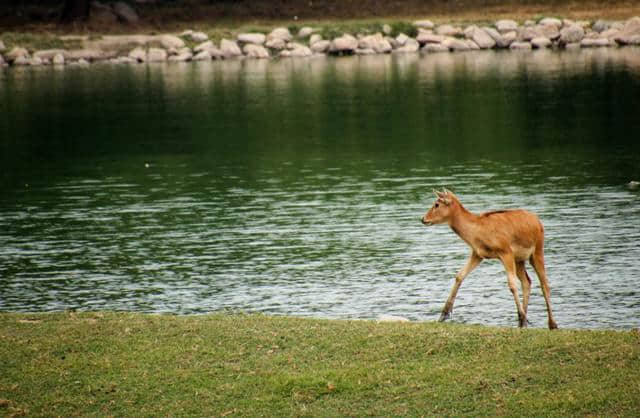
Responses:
[463,224]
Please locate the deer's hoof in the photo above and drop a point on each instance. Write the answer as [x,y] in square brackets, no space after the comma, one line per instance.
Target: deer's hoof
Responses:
[444,316]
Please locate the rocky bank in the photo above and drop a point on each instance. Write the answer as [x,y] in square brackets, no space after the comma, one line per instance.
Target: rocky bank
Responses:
[428,38]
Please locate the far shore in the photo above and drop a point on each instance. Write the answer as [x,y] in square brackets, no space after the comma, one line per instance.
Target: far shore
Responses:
[395,37]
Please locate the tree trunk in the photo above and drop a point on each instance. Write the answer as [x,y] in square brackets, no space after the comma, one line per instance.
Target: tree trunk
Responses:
[75,10]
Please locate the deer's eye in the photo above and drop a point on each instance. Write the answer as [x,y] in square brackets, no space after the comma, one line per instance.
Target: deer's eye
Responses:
[436,205]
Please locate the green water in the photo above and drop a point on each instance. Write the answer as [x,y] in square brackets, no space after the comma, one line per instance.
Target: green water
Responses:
[296,186]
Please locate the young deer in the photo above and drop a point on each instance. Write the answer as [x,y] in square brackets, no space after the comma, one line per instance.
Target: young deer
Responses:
[513,236]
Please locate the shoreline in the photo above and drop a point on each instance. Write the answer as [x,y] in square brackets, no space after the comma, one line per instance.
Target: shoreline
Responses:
[422,36]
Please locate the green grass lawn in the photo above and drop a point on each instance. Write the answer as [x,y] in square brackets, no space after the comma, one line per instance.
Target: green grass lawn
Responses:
[124,364]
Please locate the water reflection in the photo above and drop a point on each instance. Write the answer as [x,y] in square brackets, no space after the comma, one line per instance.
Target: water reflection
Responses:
[295,186]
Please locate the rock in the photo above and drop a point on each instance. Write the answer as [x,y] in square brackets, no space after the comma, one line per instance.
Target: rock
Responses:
[199,36]
[610,34]
[551,21]
[548,31]
[204,46]
[21,60]
[424,24]
[35,61]
[366,51]
[456,44]
[87,54]
[2,47]
[529,22]
[320,46]
[343,44]
[401,39]
[601,26]
[472,45]
[314,38]
[527,33]
[156,55]
[425,37]
[48,54]
[125,12]
[276,43]
[468,31]
[567,23]
[573,46]
[183,55]
[506,25]
[186,32]
[230,48]
[520,46]
[15,53]
[252,38]
[376,42]
[594,42]
[138,54]
[81,62]
[301,51]
[204,55]
[482,38]
[58,59]
[633,185]
[282,34]
[435,48]
[628,33]
[448,30]
[411,45]
[571,34]
[392,318]
[2,63]
[541,42]
[170,42]
[255,51]
[305,32]
[387,29]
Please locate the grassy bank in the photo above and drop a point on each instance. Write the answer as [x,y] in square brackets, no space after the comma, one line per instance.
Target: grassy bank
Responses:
[248,365]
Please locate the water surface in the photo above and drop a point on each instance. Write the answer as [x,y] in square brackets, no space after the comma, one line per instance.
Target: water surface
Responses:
[296,186]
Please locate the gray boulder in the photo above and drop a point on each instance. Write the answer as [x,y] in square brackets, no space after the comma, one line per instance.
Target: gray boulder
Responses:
[410,45]
[305,32]
[252,38]
[629,33]
[456,44]
[376,42]
[276,43]
[156,55]
[594,42]
[551,21]
[601,26]
[255,51]
[571,34]
[435,48]
[16,53]
[230,48]
[58,59]
[448,30]
[549,31]
[182,55]
[314,38]
[170,42]
[204,55]
[320,46]
[506,25]
[425,37]
[204,46]
[482,38]
[301,51]
[48,54]
[343,44]
[279,33]
[541,42]
[521,46]
[198,36]
[424,24]
[138,54]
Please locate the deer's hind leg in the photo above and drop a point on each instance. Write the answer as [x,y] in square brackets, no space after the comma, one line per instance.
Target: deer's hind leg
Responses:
[537,261]
[509,263]
[521,271]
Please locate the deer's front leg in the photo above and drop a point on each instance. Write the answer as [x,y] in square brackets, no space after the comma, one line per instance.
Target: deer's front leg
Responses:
[472,263]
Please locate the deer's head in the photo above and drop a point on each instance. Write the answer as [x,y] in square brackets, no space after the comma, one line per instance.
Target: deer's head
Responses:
[440,212]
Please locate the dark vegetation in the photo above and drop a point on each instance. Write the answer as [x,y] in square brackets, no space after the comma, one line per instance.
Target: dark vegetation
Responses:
[41,14]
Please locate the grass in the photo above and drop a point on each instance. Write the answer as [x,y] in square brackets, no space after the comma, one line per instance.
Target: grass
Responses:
[124,364]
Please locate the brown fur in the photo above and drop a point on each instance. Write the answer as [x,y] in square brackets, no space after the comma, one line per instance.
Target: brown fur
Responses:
[513,236]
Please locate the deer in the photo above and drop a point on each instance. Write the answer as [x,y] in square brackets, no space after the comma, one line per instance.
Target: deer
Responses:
[512,236]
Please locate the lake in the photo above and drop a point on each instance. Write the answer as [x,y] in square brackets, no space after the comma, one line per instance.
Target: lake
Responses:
[296,186]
